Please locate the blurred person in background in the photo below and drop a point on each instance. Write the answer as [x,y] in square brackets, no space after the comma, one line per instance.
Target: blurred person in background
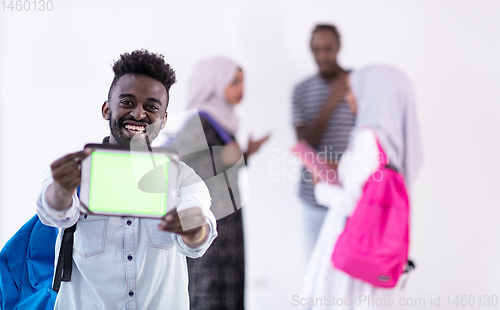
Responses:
[321,117]
[382,99]
[217,281]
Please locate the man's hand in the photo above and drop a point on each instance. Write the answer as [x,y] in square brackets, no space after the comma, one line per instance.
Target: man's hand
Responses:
[313,133]
[67,176]
[338,89]
[324,175]
[191,224]
[333,163]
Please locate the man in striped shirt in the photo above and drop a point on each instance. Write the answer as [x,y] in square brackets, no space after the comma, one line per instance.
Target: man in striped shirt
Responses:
[321,116]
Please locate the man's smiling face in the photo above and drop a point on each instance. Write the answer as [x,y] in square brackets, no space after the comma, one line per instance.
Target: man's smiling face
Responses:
[135,102]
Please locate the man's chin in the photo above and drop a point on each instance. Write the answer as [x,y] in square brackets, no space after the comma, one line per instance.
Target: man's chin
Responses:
[129,137]
[327,74]
[121,139]
[142,138]
[126,138]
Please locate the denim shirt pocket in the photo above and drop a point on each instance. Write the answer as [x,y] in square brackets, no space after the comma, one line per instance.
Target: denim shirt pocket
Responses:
[157,238]
[90,235]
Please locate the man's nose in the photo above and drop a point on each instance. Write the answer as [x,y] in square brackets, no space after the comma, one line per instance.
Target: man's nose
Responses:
[322,55]
[138,112]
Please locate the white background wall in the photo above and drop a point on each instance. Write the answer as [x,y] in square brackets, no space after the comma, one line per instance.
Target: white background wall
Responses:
[55,70]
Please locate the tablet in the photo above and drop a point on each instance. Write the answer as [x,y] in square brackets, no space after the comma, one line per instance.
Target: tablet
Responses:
[119,181]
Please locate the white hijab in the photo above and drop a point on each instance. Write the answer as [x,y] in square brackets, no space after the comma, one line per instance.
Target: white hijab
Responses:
[208,84]
[386,102]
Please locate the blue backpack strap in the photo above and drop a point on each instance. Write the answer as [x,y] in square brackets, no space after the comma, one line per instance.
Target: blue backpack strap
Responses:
[64,266]
[65,260]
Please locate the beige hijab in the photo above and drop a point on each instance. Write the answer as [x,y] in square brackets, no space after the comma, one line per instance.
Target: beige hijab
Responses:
[209,82]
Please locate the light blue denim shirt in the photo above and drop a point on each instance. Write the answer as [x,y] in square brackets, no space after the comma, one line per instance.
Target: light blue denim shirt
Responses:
[126,262]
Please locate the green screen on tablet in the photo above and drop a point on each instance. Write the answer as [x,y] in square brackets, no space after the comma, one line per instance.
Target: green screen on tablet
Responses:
[121,183]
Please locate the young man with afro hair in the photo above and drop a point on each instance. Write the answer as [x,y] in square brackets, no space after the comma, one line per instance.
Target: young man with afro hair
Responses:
[127,262]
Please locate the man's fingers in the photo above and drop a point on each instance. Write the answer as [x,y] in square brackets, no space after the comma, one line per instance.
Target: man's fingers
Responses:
[189,222]
[181,229]
[66,172]
[340,81]
[73,157]
[192,218]
[70,182]
[184,221]
[68,176]
[171,216]
[170,220]
[87,152]
[190,212]
[74,184]
[65,168]
[341,76]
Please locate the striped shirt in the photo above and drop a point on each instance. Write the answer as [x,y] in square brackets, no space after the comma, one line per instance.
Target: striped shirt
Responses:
[309,97]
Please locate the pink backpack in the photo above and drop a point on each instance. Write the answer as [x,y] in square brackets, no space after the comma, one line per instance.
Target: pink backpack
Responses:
[374,244]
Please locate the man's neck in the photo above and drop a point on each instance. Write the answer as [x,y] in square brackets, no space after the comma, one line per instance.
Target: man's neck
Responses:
[330,76]
[110,140]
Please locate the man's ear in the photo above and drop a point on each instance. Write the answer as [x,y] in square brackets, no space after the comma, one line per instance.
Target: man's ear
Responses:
[105,110]
[164,121]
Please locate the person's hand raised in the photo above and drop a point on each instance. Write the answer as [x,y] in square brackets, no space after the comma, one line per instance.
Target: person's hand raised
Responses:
[254,145]
[338,88]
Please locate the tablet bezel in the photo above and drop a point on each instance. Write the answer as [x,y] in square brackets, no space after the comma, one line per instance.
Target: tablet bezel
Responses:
[172,190]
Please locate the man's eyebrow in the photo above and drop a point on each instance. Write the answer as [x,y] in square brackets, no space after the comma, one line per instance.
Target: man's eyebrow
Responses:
[132,96]
[155,100]
[126,95]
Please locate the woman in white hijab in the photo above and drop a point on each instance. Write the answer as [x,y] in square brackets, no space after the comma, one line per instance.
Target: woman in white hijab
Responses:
[216,280]
[383,100]
[216,88]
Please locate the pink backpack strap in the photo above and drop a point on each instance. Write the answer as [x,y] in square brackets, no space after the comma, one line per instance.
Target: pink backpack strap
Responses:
[382,155]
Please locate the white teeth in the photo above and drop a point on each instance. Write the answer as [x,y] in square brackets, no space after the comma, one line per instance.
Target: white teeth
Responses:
[134,128]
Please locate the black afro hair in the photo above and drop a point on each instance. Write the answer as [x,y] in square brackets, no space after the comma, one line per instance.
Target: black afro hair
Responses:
[143,62]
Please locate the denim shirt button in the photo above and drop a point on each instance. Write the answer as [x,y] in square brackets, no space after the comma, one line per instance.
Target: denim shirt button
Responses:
[129,257]
[129,222]
[131,293]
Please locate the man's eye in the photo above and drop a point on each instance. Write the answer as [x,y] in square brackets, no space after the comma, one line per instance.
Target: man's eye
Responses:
[125,102]
[153,107]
